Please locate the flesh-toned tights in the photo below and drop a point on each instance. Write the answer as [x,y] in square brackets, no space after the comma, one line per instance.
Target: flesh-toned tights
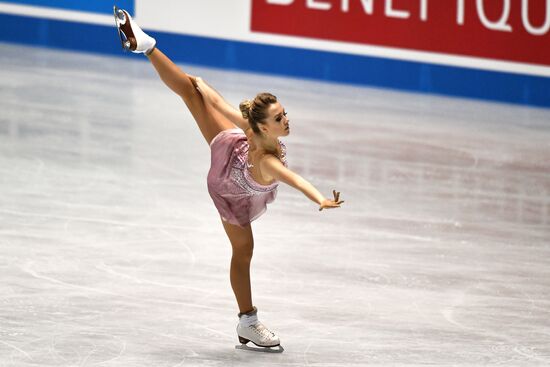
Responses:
[210,123]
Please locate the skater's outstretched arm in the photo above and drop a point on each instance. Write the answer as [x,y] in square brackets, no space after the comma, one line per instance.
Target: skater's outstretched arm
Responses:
[213,98]
[273,166]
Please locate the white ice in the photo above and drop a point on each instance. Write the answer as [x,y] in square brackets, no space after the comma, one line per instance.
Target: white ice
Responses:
[112,253]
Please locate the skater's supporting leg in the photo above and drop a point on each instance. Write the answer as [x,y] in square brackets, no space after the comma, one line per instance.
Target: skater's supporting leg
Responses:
[242,243]
[210,121]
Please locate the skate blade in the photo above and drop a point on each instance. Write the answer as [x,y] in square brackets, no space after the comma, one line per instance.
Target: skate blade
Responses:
[119,16]
[119,13]
[277,349]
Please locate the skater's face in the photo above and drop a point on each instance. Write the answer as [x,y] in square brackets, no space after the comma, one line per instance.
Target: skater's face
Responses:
[277,122]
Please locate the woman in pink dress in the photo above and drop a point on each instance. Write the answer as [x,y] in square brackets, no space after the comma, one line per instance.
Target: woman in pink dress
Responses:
[248,161]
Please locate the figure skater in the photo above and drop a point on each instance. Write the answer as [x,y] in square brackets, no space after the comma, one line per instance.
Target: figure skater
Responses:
[248,161]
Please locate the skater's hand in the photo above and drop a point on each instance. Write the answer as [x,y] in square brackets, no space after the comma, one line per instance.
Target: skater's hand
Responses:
[330,204]
[202,87]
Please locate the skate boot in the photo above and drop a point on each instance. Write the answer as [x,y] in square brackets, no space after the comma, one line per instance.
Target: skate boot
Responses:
[250,329]
[131,36]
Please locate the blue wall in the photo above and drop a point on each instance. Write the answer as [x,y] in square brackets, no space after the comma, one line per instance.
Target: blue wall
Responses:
[329,66]
[94,6]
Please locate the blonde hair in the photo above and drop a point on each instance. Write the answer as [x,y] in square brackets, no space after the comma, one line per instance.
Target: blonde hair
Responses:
[255,110]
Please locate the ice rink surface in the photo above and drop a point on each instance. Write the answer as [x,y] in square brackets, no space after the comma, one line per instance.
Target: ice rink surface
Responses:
[112,252]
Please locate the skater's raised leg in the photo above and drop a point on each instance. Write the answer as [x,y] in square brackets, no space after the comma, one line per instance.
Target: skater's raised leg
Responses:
[210,121]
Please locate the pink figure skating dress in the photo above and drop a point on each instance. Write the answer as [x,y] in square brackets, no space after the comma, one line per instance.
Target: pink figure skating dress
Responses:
[238,198]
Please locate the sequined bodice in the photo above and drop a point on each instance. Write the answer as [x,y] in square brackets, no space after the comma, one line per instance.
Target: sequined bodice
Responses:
[237,196]
[240,173]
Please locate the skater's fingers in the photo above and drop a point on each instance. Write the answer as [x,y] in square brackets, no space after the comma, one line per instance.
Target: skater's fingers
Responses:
[196,80]
[199,83]
[335,204]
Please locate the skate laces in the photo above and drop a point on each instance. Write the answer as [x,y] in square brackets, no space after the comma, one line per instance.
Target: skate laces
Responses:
[262,331]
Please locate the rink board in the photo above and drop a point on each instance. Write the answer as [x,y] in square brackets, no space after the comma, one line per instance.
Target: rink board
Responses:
[283,56]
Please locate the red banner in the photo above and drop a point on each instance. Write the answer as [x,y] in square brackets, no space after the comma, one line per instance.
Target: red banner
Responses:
[508,30]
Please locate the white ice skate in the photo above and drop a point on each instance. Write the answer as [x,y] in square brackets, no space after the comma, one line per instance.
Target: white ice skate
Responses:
[250,329]
[131,36]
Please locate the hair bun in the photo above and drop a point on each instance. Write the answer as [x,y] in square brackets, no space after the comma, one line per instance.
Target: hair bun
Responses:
[245,107]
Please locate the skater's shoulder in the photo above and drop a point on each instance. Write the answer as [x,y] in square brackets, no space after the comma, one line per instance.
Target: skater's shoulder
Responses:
[248,132]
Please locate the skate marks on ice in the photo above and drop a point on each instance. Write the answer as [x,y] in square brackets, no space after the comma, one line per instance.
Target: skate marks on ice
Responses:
[508,343]
[111,252]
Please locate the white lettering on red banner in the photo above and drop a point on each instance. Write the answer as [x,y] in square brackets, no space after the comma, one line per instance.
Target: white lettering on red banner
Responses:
[509,30]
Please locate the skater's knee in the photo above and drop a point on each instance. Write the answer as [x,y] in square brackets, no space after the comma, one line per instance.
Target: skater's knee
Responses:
[243,252]
[242,255]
